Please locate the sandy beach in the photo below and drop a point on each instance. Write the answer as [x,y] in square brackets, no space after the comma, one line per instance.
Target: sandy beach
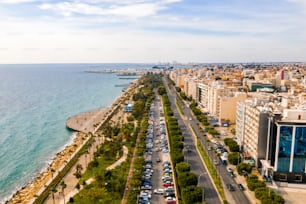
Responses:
[84,123]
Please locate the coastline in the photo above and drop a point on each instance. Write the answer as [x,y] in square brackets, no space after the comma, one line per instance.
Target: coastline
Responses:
[28,192]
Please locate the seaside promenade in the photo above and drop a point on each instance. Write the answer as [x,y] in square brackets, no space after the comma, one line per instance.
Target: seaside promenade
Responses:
[83,123]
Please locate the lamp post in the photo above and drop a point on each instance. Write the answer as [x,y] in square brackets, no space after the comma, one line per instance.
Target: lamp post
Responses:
[203,192]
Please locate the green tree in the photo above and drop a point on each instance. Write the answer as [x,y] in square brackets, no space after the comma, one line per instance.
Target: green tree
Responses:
[161,90]
[192,194]
[52,172]
[244,167]
[63,186]
[138,108]
[182,167]
[253,182]
[234,158]
[53,191]
[187,179]
[78,172]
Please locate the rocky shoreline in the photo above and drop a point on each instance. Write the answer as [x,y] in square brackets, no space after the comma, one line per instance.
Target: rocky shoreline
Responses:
[90,123]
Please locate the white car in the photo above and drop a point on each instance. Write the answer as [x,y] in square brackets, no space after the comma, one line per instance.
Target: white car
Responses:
[170,198]
[229,170]
[145,194]
[216,162]
[159,191]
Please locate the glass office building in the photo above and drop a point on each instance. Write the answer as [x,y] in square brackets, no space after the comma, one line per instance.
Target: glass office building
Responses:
[290,152]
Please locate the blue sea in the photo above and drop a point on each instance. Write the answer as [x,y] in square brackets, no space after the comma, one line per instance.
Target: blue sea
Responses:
[35,101]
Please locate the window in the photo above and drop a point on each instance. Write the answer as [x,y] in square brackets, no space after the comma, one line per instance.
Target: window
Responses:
[299,159]
[283,177]
[298,178]
[284,153]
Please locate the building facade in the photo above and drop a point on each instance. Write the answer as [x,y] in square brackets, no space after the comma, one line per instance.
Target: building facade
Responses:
[286,148]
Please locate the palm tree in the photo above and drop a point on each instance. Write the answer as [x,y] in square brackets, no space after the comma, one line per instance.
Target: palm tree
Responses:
[63,185]
[53,190]
[79,168]
[78,172]
[52,172]
[86,152]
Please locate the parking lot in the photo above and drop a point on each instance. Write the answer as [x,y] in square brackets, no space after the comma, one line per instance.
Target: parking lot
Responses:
[157,181]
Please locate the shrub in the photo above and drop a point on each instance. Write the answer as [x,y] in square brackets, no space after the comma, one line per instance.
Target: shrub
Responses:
[182,167]
[233,158]
[266,195]
[244,167]
[232,144]
[187,179]
[253,183]
[192,194]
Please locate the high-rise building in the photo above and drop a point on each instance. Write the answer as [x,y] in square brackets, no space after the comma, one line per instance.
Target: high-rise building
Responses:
[251,129]
[286,147]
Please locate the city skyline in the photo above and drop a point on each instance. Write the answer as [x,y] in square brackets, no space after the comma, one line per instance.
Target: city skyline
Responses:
[147,31]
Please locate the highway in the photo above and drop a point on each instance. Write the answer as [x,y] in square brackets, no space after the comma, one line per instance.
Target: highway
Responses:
[191,155]
[236,196]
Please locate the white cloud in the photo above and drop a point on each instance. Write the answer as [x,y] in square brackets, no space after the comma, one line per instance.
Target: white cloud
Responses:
[137,31]
[129,8]
[67,8]
[15,1]
[136,10]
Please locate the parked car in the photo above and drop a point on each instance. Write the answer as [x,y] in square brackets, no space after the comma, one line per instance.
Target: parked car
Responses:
[144,194]
[169,189]
[168,184]
[143,200]
[169,194]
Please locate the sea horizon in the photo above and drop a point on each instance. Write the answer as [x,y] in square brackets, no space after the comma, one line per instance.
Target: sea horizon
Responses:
[36,101]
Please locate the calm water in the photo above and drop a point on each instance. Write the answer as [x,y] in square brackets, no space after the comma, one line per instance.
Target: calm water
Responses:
[35,101]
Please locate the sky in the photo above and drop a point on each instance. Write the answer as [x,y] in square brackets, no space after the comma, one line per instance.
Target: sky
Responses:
[152,31]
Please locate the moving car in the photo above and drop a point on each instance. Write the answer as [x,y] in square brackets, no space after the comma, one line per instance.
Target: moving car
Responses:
[230,187]
[159,191]
[229,170]
[240,186]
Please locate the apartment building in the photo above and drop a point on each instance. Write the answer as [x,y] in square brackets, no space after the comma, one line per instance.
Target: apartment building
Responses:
[202,95]
[251,128]
[190,87]
[228,105]
[215,91]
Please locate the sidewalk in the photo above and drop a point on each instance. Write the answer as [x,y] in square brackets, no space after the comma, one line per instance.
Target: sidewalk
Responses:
[90,180]
[242,180]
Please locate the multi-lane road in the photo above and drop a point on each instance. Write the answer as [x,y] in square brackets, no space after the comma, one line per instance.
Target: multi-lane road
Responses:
[192,156]
[194,160]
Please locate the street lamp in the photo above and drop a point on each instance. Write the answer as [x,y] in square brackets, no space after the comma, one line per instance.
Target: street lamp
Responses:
[203,190]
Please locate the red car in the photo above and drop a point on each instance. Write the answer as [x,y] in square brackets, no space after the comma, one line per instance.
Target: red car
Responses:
[168,184]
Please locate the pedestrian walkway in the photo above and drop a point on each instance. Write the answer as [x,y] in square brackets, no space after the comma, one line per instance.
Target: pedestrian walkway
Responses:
[120,161]
[75,191]
[90,180]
